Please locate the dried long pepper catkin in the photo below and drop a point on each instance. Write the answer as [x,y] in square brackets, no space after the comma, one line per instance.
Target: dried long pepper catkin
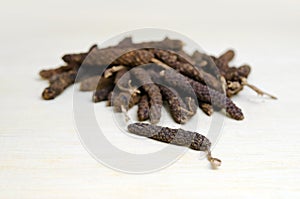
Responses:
[153,92]
[178,108]
[233,88]
[58,84]
[47,74]
[104,56]
[203,93]
[181,107]
[234,77]
[224,59]
[206,108]
[206,63]
[78,57]
[179,137]
[72,64]
[95,58]
[166,44]
[126,43]
[143,108]
[178,63]
[99,60]
[104,87]
[239,74]
[134,58]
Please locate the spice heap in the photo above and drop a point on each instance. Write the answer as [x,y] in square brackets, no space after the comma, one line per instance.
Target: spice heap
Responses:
[148,73]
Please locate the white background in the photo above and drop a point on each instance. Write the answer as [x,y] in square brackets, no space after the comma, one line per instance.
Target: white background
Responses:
[40,153]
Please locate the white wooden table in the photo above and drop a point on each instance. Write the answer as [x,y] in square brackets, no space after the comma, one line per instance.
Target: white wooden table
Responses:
[41,155]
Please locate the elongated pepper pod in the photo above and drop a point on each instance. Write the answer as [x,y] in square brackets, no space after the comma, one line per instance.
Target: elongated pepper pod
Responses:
[203,92]
[178,108]
[58,84]
[104,87]
[143,108]
[181,65]
[179,137]
[153,92]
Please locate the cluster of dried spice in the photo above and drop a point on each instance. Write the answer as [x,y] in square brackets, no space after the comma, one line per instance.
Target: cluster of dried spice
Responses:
[147,74]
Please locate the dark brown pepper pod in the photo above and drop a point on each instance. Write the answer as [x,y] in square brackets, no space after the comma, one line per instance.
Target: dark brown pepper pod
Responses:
[233,88]
[58,84]
[204,93]
[167,44]
[143,108]
[178,108]
[126,43]
[206,108]
[47,74]
[104,87]
[78,58]
[134,58]
[95,58]
[178,63]
[152,91]
[237,73]
[179,137]
[73,63]
[216,98]
[206,63]
[105,56]
[223,60]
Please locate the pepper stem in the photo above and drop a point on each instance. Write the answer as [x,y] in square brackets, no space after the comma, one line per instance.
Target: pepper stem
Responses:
[131,89]
[190,111]
[215,162]
[257,90]
[156,61]
[126,116]
[112,70]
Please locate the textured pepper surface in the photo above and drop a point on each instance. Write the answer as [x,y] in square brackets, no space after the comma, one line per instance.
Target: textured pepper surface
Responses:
[134,58]
[179,64]
[47,74]
[179,137]
[104,87]
[143,108]
[177,106]
[104,56]
[153,92]
[58,84]
[204,93]
[206,108]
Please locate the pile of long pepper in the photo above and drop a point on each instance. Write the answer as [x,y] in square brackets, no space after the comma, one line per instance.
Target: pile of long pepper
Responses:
[122,68]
